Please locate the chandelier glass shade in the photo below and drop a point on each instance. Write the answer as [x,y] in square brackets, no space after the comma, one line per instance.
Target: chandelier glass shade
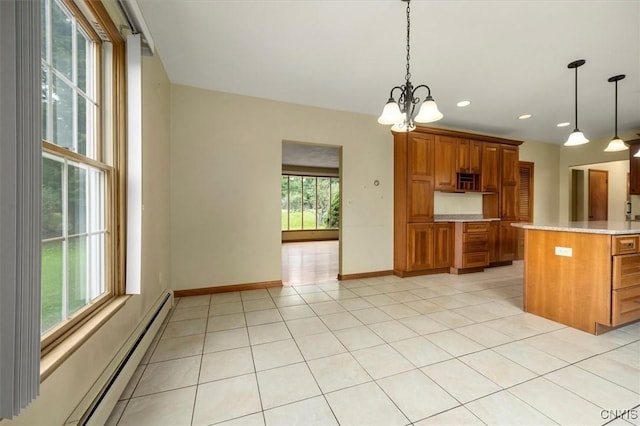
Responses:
[616,143]
[576,137]
[400,114]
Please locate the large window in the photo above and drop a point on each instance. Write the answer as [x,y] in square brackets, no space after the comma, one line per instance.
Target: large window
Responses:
[78,176]
[309,202]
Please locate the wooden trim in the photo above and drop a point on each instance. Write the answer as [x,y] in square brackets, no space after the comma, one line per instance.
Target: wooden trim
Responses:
[226,288]
[404,274]
[73,156]
[466,135]
[345,277]
[288,169]
[501,263]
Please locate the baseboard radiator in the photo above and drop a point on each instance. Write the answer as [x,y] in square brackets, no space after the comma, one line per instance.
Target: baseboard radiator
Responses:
[100,407]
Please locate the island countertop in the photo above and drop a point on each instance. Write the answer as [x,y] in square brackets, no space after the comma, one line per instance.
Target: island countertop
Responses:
[607,227]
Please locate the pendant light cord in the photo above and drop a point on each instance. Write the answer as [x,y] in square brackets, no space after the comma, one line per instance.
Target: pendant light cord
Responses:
[616,110]
[408,75]
[576,97]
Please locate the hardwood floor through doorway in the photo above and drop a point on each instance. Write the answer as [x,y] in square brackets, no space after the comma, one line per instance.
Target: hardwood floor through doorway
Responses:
[309,262]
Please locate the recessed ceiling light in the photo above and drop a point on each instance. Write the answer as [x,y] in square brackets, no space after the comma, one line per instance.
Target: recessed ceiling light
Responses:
[463,103]
[565,124]
[524,116]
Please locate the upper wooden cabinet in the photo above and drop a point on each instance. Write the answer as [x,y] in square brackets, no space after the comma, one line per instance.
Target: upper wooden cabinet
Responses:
[634,167]
[469,156]
[446,159]
[509,182]
[420,171]
[490,167]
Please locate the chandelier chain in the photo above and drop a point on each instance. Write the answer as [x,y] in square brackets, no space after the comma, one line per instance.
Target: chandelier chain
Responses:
[408,75]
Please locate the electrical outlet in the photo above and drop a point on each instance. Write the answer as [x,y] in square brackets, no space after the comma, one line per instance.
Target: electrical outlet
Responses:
[564,251]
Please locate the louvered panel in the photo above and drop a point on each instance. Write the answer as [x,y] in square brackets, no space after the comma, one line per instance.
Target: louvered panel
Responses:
[525,194]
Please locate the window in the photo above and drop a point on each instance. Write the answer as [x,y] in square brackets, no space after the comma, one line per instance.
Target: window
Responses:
[310,203]
[79,180]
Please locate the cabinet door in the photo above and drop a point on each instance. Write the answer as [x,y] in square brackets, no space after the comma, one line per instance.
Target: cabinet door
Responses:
[420,171]
[508,241]
[420,243]
[509,182]
[475,157]
[509,206]
[446,159]
[464,163]
[493,241]
[443,251]
[490,164]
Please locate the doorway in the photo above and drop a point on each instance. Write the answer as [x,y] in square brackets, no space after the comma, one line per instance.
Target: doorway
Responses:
[310,212]
[598,194]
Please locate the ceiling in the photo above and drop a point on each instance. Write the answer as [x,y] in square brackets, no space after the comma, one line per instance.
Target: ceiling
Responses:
[507,57]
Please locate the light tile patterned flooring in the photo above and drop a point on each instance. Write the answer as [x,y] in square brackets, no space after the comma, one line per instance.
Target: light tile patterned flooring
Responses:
[430,350]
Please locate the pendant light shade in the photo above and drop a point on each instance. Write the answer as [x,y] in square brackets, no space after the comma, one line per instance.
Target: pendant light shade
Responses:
[616,143]
[576,137]
[401,114]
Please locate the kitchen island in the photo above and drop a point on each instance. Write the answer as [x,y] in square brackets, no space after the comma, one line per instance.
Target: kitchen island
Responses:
[583,274]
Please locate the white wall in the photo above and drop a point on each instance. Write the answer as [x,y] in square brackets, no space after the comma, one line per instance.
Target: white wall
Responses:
[457,203]
[68,384]
[546,194]
[225,186]
[617,193]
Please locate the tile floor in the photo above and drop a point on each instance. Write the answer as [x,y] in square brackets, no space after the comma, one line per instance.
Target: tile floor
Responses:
[430,350]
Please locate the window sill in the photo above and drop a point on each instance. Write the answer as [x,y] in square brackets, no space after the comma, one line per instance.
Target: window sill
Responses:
[54,358]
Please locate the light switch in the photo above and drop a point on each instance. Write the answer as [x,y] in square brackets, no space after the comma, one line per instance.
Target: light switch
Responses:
[564,251]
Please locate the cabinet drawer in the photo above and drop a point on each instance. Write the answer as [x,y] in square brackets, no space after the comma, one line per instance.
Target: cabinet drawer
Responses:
[472,260]
[476,227]
[625,244]
[475,236]
[625,306]
[626,270]
[475,246]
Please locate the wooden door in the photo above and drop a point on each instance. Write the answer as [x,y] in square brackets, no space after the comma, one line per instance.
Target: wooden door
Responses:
[490,166]
[446,159]
[475,157]
[525,202]
[420,246]
[420,169]
[443,250]
[598,194]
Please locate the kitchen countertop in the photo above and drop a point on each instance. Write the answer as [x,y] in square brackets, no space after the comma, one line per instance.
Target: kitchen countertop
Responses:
[461,218]
[607,227]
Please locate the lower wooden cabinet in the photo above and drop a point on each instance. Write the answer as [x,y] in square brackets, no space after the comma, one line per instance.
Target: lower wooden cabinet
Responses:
[443,245]
[420,245]
[508,241]
[471,245]
[625,294]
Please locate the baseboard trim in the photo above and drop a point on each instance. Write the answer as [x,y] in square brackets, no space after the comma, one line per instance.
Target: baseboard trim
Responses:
[345,277]
[226,288]
[405,274]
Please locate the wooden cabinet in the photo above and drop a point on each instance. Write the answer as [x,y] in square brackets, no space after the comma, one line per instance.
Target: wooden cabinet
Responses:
[469,156]
[509,178]
[420,171]
[494,241]
[471,246]
[443,245]
[446,158]
[508,241]
[420,246]
[490,167]
[625,294]
[634,167]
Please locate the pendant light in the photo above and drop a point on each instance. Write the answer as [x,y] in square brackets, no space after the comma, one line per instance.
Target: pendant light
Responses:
[616,143]
[400,114]
[576,137]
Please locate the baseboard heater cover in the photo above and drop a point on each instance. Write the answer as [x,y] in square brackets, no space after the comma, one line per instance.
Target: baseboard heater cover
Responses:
[103,403]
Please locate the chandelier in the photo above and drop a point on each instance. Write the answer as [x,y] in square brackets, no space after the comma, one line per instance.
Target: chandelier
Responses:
[401,114]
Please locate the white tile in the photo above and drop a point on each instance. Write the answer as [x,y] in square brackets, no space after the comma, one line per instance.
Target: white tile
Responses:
[296,312]
[566,351]
[172,407]
[231,297]
[423,325]
[268,333]
[399,310]
[365,404]
[226,339]
[316,297]
[424,306]
[416,395]
[226,309]
[459,416]
[365,291]
[168,375]
[382,361]
[340,321]
[283,385]
[225,364]
[191,301]
[282,291]
[338,372]
[357,338]
[371,315]
[529,357]
[291,300]
[403,296]
[497,368]
[189,313]
[258,304]
[620,373]
[263,317]
[226,322]
[256,419]
[259,293]
[225,399]
[319,345]
[355,304]
[450,319]
[454,342]
[307,288]
[420,351]
[484,335]
[379,300]
[325,308]
[502,408]
[557,403]
[593,388]
[313,411]
[392,331]
[448,375]
[276,354]
[306,326]
[341,294]
[184,328]
[178,347]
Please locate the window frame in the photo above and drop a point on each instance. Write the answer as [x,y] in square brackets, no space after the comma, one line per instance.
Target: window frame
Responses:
[302,177]
[110,120]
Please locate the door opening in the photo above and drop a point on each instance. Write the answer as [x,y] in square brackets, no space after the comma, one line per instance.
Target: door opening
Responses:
[598,194]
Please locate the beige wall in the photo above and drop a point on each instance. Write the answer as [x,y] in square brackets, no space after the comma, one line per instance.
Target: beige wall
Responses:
[617,194]
[457,203]
[62,391]
[545,156]
[225,186]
